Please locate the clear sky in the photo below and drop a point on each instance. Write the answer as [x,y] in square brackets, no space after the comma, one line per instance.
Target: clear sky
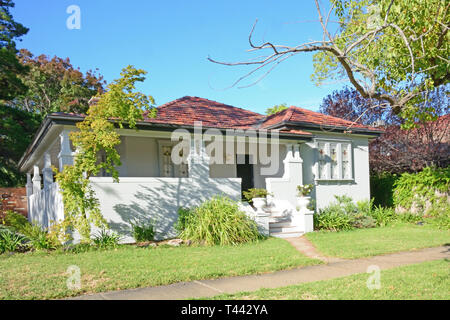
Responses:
[172,40]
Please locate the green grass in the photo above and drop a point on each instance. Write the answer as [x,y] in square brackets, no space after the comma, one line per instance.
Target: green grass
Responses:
[375,241]
[424,281]
[43,275]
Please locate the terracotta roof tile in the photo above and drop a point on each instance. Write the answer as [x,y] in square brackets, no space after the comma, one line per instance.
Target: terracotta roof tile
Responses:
[187,110]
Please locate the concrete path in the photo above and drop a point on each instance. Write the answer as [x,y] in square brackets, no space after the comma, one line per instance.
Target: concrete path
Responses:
[209,288]
[304,246]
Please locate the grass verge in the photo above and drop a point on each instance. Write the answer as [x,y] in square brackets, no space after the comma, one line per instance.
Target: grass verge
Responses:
[42,275]
[423,281]
[375,241]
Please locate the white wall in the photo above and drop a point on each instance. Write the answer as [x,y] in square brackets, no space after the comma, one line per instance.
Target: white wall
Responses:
[324,191]
[158,199]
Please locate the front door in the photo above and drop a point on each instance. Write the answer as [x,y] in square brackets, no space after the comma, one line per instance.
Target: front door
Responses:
[245,172]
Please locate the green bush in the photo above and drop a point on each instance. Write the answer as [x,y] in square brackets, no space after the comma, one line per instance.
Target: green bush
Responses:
[183,218]
[39,238]
[418,188]
[15,220]
[382,188]
[143,232]
[255,193]
[383,216]
[332,220]
[36,237]
[106,239]
[11,241]
[219,221]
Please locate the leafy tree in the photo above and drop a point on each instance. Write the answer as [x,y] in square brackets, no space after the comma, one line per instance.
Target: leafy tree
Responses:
[348,104]
[276,109]
[54,85]
[10,68]
[17,128]
[392,51]
[397,150]
[98,137]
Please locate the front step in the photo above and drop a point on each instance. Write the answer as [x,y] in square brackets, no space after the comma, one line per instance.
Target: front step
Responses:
[285,229]
[286,234]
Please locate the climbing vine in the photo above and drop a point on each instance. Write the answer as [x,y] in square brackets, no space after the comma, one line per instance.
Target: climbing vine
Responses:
[95,143]
[431,184]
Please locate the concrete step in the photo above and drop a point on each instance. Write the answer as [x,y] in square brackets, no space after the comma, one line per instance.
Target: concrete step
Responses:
[280,224]
[280,218]
[284,229]
[286,234]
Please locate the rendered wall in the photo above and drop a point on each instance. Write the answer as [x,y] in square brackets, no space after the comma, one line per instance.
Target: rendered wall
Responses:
[141,200]
[324,191]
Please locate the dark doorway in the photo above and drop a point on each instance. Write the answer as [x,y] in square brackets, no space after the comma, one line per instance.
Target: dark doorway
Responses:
[245,172]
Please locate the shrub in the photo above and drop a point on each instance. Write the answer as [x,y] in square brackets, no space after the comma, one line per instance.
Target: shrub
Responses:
[39,239]
[382,188]
[383,216]
[106,239]
[143,232]
[255,193]
[36,237]
[345,215]
[416,189]
[361,221]
[11,241]
[332,220]
[15,220]
[304,190]
[219,221]
[183,217]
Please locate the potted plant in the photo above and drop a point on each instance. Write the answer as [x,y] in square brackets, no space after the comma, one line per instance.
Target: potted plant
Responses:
[303,198]
[256,197]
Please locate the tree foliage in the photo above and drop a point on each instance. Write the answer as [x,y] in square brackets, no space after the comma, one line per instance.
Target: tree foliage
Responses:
[397,150]
[10,67]
[95,143]
[55,85]
[17,128]
[276,109]
[393,51]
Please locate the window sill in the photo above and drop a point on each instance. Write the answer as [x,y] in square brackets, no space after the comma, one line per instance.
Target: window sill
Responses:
[334,180]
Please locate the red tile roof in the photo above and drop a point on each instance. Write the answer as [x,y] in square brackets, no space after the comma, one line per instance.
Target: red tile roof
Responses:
[299,115]
[187,110]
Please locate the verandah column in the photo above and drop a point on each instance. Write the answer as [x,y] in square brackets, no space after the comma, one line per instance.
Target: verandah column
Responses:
[65,156]
[198,160]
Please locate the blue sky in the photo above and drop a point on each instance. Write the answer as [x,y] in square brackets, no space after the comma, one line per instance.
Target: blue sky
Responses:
[172,40]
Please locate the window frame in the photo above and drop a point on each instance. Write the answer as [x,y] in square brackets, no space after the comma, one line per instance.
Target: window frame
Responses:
[339,149]
[176,169]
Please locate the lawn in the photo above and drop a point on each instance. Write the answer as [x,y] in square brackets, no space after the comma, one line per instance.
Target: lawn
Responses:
[44,275]
[375,241]
[429,280]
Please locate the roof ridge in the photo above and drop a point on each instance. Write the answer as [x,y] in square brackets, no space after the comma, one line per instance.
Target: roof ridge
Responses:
[207,100]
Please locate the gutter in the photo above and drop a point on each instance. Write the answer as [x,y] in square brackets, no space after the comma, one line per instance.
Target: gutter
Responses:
[56,119]
[342,129]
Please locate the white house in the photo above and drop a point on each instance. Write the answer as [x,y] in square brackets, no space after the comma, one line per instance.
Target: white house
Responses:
[231,150]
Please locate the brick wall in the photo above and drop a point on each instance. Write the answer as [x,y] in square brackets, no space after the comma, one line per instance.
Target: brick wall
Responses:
[13,199]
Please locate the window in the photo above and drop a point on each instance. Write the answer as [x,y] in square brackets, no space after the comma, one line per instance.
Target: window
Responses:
[334,160]
[166,167]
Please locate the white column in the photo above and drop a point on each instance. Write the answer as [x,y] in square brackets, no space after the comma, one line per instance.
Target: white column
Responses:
[198,160]
[47,172]
[29,185]
[65,156]
[36,180]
